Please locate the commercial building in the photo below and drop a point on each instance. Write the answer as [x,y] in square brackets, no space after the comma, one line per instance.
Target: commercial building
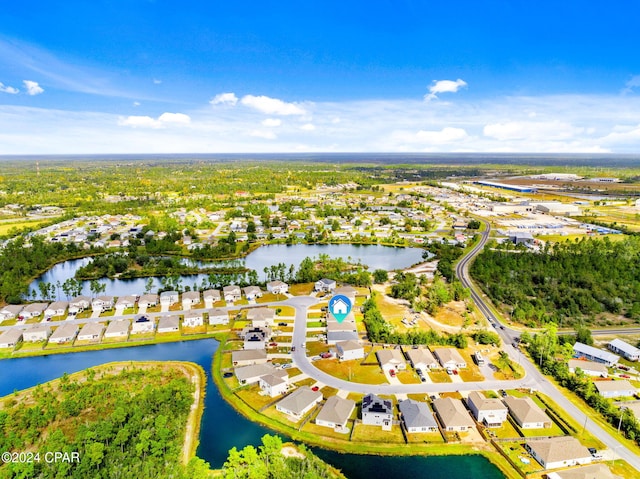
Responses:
[595,354]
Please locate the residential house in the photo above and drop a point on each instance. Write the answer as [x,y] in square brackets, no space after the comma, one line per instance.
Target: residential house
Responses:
[417,417]
[255,337]
[595,354]
[79,304]
[263,317]
[450,358]
[452,415]
[169,324]
[57,308]
[421,358]
[489,411]
[189,299]
[218,316]
[274,384]
[623,348]
[348,350]
[232,293]
[249,357]
[169,298]
[557,452]
[277,287]
[251,374]
[64,333]
[211,296]
[91,332]
[526,413]
[377,412]
[348,291]
[335,413]
[33,310]
[126,302]
[36,333]
[252,292]
[325,285]
[615,389]
[117,329]
[10,311]
[142,325]
[344,331]
[192,319]
[10,338]
[590,368]
[103,303]
[391,359]
[148,300]
[299,402]
[592,471]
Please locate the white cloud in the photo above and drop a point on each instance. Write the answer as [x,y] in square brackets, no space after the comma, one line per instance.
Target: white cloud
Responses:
[308,127]
[32,87]
[631,84]
[156,81]
[266,134]
[272,106]
[272,122]
[136,103]
[523,130]
[8,89]
[148,122]
[224,99]
[444,86]
[446,135]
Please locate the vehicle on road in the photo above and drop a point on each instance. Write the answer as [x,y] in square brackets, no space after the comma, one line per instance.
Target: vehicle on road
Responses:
[315,388]
[293,348]
[273,345]
[282,324]
[392,373]
[449,371]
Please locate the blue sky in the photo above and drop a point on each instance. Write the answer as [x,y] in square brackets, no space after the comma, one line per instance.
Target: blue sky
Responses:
[126,76]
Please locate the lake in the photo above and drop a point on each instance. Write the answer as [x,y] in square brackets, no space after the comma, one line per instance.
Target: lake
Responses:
[374,256]
[222,427]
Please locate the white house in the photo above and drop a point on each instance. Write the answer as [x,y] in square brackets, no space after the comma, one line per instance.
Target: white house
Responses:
[417,417]
[232,293]
[10,338]
[377,412]
[126,302]
[344,331]
[102,303]
[591,471]
[590,368]
[57,308]
[117,329]
[249,357]
[189,299]
[299,402]
[64,333]
[348,291]
[615,389]
[277,287]
[218,316]
[252,373]
[557,452]
[348,350]
[211,296]
[79,303]
[391,359]
[274,384]
[168,298]
[36,333]
[526,413]
[142,325]
[10,311]
[263,317]
[623,348]
[91,332]
[452,415]
[192,319]
[450,358]
[325,285]
[168,324]
[148,300]
[491,412]
[422,359]
[255,337]
[33,310]
[252,292]
[335,413]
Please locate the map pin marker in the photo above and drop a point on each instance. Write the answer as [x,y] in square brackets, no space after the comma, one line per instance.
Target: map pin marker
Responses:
[340,307]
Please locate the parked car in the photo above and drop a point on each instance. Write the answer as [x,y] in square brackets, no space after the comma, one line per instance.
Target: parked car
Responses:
[315,388]
[449,371]
[273,345]
[392,373]
[282,324]
[455,371]
[623,367]
[626,376]
[423,379]
[293,348]
[286,366]
[325,355]
[227,375]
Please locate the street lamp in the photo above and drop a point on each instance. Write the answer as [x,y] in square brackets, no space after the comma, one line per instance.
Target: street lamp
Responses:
[622,411]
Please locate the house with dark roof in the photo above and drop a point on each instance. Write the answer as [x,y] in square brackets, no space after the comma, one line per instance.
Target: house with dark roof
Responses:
[299,402]
[452,415]
[377,411]
[526,413]
[417,417]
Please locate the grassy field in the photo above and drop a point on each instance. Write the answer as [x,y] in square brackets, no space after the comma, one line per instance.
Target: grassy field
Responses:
[352,371]
[8,226]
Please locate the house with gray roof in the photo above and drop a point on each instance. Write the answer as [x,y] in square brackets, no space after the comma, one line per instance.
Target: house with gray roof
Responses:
[64,333]
[148,300]
[615,389]
[626,350]
[189,299]
[142,324]
[421,358]
[263,317]
[193,319]
[590,368]
[232,293]
[592,471]
[449,358]
[452,415]
[344,331]
[595,354]
[274,384]
[33,310]
[326,285]
[10,338]
[417,417]
[126,302]
[36,333]
[489,411]
[168,298]
[335,413]
[102,303]
[10,311]
[277,287]
[79,303]
[211,296]
[377,411]
[299,402]
[526,413]
[57,308]
[252,292]
[347,350]
[218,316]
[117,329]
[248,357]
[255,337]
[168,324]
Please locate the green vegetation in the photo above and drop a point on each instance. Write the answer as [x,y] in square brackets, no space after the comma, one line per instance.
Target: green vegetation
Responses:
[122,420]
[566,283]
[269,462]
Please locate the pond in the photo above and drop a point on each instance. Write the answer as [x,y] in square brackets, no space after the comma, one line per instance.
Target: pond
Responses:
[222,427]
[374,256]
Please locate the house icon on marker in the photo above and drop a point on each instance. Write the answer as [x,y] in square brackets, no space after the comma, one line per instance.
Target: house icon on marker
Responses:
[339,307]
